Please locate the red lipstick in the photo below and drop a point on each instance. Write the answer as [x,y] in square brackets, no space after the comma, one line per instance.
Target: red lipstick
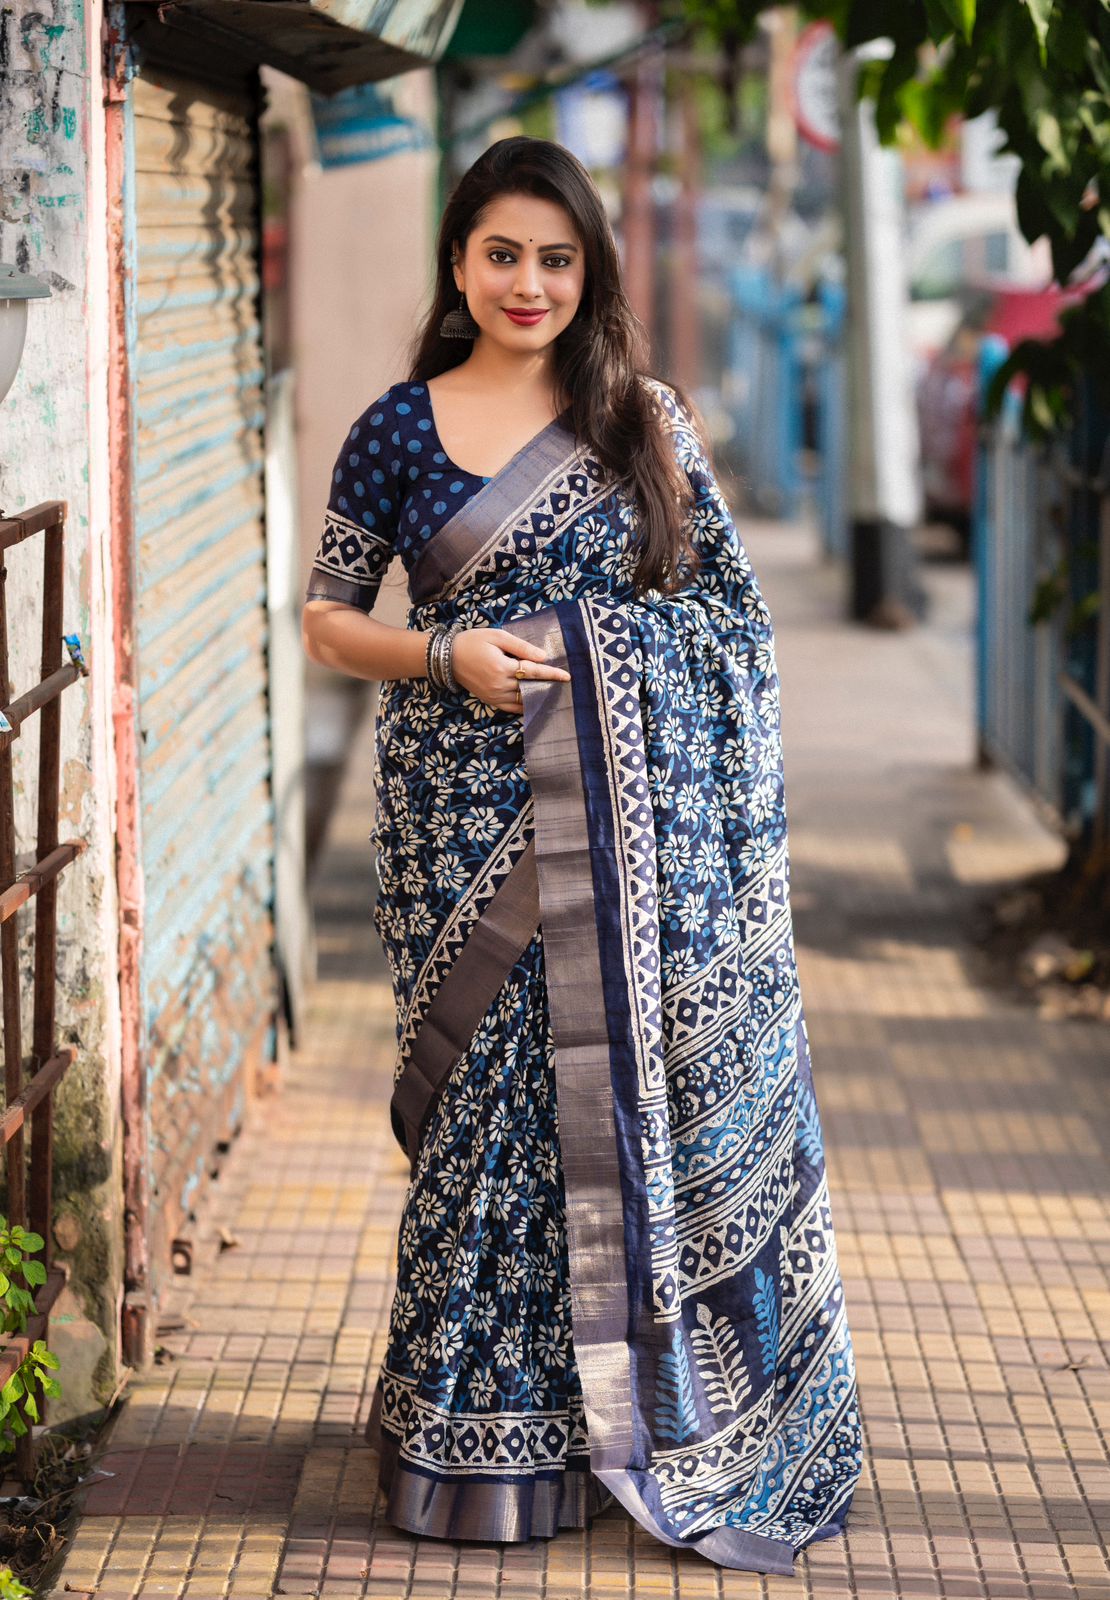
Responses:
[525,319]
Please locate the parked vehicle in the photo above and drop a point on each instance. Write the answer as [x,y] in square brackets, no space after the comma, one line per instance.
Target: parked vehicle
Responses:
[959,241]
[947,393]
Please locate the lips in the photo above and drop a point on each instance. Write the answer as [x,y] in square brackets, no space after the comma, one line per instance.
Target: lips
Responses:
[526,318]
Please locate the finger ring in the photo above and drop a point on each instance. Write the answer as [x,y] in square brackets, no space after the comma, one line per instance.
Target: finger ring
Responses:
[520,673]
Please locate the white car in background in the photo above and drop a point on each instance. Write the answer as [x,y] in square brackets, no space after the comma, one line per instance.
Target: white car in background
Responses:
[960,240]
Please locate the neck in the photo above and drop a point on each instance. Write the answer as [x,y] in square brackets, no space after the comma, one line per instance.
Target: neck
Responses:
[511,372]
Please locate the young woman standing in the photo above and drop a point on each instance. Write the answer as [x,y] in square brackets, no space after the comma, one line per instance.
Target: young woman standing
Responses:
[617,1271]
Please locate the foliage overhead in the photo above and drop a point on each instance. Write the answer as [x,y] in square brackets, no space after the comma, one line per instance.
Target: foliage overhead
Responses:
[1043,68]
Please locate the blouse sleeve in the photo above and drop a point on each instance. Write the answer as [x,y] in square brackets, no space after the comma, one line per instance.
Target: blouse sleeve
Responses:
[362,515]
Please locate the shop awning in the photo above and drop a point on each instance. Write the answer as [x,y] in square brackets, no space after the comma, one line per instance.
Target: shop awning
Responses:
[328,44]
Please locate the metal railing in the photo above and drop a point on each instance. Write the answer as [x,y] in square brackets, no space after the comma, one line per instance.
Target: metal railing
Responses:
[785,369]
[764,388]
[1041,536]
[28,1100]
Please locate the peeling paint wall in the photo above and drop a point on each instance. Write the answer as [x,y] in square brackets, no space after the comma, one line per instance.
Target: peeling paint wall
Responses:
[54,445]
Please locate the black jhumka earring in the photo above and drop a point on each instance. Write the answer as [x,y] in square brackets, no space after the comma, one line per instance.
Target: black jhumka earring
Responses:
[459,324]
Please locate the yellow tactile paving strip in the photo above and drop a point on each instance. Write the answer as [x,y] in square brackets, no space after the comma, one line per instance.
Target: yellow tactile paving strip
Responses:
[968,1155]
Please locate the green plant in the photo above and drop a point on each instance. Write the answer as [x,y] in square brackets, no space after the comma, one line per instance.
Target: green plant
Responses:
[1043,68]
[17,1395]
[10,1586]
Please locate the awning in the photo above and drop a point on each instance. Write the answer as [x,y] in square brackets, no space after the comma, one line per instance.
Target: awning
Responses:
[328,44]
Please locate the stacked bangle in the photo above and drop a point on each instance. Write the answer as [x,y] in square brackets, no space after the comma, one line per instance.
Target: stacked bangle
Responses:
[437,660]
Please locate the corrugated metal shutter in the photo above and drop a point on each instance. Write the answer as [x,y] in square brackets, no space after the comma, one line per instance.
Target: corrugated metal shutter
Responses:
[209,988]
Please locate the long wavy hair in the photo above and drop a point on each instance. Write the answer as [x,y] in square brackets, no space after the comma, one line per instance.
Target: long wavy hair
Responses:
[600,357]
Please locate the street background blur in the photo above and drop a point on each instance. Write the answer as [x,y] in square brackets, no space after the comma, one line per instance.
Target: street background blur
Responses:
[216,237]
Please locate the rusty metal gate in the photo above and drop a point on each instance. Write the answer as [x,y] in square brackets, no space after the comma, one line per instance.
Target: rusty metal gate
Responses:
[206,815]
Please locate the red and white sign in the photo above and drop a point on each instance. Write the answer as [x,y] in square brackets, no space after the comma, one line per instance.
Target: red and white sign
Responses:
[816,110]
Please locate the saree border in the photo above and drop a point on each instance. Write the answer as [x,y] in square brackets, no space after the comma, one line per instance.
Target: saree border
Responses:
[495,943]
[464,544]
[560,716]
[459,924]
[492,1508]
[576,999]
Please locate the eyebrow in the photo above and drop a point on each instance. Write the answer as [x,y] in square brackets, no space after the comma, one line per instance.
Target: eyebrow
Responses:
[499,238]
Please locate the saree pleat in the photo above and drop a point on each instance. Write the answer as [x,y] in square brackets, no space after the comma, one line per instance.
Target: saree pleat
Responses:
[617,1264]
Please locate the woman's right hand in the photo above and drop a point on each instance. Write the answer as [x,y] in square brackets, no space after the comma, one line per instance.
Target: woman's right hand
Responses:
[485,660]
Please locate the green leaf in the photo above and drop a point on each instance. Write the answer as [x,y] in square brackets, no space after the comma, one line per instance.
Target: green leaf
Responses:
[14,1255]
[13,1389]
[897,72]
[11,1588]
[1051,140]
[33,1241]
[34,1272]
[962,14]
[51,1386]
[928,107]
[1040,12]
[30,1405]
[938,20]
[41,1353]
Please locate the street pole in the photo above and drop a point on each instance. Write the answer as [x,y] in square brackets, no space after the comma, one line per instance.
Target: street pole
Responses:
[782,133]
[685,317]
[884,496]
[638,210]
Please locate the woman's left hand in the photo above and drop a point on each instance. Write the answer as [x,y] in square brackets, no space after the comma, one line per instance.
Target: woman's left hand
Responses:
[485,661]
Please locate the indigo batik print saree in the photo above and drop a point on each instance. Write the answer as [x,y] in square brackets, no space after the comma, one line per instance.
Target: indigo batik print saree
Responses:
[617,1269]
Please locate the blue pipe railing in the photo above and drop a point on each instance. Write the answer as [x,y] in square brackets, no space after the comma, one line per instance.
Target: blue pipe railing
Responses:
[781,350]
[1042,514]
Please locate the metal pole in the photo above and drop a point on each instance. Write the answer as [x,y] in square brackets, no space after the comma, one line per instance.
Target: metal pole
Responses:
[638,212]
[884,496]
[685,320]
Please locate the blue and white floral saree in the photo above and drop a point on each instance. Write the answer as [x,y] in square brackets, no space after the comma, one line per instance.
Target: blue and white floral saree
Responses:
[617,1270]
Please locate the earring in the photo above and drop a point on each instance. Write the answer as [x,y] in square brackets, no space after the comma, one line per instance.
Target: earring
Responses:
[459,324]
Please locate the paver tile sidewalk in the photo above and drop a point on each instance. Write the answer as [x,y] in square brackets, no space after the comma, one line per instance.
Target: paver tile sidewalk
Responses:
[967,1145]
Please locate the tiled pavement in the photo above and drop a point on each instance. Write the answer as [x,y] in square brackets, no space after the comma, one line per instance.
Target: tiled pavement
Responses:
[967,1147]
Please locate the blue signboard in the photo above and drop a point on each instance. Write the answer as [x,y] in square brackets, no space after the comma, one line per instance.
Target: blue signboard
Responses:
[363,124]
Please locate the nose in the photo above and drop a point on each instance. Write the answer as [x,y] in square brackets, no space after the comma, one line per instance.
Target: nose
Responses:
[527,281]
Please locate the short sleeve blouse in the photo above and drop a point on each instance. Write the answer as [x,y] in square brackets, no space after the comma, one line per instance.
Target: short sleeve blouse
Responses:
[392,487]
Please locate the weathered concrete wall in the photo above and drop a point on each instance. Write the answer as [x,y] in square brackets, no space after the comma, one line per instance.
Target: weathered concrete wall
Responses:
[53,445]
[361,243]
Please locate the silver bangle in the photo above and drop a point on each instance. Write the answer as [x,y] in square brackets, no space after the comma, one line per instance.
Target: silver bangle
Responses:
[438,657]
[449,656]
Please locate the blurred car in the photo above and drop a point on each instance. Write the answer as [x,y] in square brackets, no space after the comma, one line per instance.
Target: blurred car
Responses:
[957,241]
[947,392]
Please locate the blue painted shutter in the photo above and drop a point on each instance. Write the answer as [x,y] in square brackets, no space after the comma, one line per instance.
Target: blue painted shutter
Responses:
[208,974]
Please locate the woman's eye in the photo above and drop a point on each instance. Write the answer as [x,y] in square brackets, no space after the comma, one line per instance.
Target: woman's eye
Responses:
[506,255]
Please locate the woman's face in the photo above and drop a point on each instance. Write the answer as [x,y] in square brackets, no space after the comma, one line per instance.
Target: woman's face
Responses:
[522,256]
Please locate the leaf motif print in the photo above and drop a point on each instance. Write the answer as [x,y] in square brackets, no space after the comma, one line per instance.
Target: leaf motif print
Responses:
[676,1417]
[767,1319]
[809,1128]
[720,1354]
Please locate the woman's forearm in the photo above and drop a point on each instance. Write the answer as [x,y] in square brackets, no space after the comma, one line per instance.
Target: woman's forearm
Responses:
[347,640]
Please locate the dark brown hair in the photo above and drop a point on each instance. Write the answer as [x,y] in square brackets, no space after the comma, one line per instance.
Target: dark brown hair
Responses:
[600,357]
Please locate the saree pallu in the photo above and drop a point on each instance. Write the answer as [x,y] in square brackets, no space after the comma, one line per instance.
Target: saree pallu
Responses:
[605,888]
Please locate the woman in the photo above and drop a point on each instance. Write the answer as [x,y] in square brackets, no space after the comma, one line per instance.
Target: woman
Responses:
[603,1083]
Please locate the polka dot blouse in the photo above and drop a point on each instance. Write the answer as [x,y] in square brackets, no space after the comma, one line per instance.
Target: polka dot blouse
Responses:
[392,487]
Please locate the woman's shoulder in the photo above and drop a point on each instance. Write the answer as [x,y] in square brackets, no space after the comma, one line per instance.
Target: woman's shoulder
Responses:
[401,399]
[666,400]
[385,430]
